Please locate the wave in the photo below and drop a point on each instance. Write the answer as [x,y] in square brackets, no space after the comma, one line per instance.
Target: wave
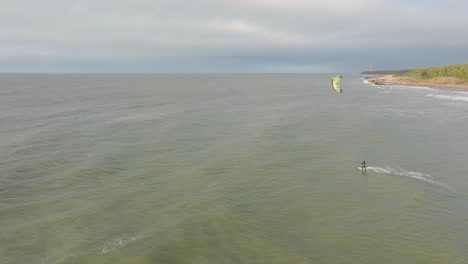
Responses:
[412,87]
[409,174]
[106,248]
[456,95]
[449,97]
[133,118]
[117,243]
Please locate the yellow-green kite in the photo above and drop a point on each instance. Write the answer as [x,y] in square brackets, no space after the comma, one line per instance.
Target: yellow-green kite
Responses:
[336,83]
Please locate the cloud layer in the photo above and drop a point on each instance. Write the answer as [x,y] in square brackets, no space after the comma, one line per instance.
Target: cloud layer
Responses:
[230,36]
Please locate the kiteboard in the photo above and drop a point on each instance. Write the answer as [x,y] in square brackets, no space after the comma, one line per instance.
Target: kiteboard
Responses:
[360,168]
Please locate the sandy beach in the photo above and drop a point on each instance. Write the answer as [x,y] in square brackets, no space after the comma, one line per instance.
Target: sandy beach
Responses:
[439,82]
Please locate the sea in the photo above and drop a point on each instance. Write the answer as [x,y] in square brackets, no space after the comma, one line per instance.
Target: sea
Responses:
[230,168]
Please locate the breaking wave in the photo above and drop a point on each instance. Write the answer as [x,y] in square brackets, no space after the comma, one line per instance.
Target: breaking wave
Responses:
[449,97]
[117,243]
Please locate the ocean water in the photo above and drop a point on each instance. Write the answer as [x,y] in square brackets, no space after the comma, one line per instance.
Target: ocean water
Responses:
[230,168]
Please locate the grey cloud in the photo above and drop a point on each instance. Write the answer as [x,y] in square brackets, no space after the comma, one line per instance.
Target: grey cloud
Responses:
[209,35]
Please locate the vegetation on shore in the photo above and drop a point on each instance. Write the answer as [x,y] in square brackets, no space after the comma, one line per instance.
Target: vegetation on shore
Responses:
[451,76]
[459,71]
[377,81]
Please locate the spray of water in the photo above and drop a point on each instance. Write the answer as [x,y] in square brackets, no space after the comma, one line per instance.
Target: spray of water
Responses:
[409,174]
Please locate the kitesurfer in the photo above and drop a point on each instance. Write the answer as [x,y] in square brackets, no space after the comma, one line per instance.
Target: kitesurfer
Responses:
[363,165]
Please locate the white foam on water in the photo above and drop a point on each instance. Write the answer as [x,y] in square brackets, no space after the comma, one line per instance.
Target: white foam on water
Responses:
[400,86]
[409,174]
[117,243]
[456,95]
[449,97]
[106,248]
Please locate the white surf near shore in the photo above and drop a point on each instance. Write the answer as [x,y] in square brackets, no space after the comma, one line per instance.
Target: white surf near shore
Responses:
[437,93]
[456,97]
[409,174]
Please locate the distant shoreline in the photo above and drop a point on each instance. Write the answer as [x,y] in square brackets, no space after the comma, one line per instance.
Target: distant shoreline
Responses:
[438,82]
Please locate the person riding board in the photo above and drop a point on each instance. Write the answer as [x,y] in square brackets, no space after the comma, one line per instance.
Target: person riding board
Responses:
[363,165]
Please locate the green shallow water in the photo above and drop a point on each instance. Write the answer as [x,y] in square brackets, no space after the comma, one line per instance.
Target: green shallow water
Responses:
[230,169]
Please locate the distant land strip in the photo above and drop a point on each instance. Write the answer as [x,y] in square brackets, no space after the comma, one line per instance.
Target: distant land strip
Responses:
[452,77]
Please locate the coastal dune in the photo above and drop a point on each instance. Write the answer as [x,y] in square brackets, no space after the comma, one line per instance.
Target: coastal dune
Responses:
[437,82]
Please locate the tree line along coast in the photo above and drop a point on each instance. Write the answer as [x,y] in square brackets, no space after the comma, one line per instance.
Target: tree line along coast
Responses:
[452,77]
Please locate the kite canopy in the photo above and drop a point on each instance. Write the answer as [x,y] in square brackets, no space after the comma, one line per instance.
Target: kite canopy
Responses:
[336,83]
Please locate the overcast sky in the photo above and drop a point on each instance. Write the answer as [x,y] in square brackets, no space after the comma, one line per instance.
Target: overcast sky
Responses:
[231,35]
